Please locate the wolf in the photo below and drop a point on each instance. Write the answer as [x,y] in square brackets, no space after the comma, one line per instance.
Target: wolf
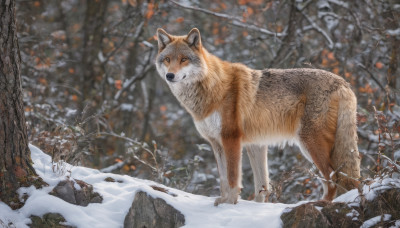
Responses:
[235,107]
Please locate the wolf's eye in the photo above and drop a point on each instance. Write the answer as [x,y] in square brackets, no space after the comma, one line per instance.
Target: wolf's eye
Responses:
[167,59]
[184,59]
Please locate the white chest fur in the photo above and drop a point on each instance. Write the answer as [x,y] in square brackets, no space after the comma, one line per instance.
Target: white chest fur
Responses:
[210,127]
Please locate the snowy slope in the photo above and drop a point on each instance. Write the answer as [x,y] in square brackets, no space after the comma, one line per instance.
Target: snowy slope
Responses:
[199,211]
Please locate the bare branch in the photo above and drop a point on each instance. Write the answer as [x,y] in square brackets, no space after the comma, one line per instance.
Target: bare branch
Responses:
[137,77]
[319,29]
[372,76]
[232,20]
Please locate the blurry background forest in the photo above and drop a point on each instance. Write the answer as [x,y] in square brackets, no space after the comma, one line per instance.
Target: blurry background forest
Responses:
[93,96]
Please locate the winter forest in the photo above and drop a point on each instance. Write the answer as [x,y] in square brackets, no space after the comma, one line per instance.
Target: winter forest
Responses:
[92,96]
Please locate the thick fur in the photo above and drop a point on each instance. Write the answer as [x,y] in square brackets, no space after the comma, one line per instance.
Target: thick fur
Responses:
[234,106]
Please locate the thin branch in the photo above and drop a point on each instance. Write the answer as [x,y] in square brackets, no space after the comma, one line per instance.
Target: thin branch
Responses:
[141,145]
[319,29]
[232,20]
[139,29]
[137,77]
[372,76]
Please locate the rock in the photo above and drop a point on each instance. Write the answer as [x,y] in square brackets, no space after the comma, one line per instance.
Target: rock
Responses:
[304,216]
[65,190]
[48,220]
[110,179]
[327,214]
[83,196]
[342,215]
[387,202]
[149,212]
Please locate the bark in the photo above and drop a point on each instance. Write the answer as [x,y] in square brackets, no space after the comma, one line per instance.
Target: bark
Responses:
[92,44]
[289,41]
[15,162]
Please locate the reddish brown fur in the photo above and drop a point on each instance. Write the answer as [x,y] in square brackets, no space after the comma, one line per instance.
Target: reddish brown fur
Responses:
[254,106]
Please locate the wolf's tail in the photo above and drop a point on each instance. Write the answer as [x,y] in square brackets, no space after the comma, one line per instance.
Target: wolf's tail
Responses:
[345,156]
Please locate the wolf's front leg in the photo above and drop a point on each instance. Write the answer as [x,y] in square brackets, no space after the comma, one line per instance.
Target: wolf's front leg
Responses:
[230,171]
[259,164]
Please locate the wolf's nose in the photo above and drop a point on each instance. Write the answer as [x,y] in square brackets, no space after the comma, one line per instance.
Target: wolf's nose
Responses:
[170,76]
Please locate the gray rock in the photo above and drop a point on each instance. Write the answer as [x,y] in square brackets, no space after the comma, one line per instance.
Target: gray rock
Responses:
[48,220]
[327,214]
[149,212]
[66,190]
[305,216]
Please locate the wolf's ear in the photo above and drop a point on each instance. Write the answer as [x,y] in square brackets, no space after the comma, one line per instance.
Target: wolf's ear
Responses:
[194,38]
[163,38]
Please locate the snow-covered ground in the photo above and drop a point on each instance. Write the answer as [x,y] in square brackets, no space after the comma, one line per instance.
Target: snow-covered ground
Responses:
[199,211]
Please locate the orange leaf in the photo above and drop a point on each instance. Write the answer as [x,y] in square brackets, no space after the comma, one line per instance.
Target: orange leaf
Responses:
[43,81]
[336,70]
[331,56]
[132,2]
[163,108]
[223,5]
[118,84]
[71,70]
[125,168]
[36,3]
[179,19]
[215,30]
[118,160]
[324,62]
[74,97]
[242,2]
[150,11]
[379,65]
[279,28]
[366,89]
[250,11]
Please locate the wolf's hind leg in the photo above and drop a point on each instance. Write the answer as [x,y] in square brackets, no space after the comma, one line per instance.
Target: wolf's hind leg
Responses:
[259,163]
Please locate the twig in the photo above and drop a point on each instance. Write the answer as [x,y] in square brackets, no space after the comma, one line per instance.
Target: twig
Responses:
[319,29]
[391,162]
[372,76]
[232,20]
[137,77]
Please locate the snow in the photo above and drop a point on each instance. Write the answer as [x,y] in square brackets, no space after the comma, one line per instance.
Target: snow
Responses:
[369,191]
[199,211]
[395,32]
[373,221]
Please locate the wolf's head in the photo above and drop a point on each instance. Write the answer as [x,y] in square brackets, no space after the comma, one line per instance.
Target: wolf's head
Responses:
[180,58]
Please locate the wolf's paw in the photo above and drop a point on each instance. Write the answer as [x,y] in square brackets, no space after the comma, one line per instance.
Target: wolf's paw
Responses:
[261,198]
[230,196]
[220,200]
[262,195]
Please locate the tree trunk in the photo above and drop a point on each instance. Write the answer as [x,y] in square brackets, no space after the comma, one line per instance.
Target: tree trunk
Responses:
[289,41]
[92,43]
[15,161]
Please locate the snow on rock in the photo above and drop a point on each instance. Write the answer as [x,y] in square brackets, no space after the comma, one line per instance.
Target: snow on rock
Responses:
[375,220]
[118,195]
